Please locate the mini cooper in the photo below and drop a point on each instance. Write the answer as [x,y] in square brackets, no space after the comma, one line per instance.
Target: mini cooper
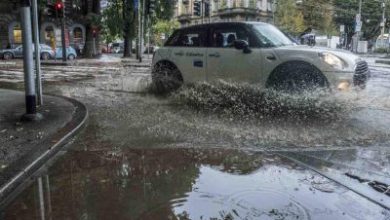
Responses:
[256,53]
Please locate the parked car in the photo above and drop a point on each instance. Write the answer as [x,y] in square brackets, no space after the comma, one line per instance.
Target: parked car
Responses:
[46,52]
[253,52]
[117,47]
[70,53]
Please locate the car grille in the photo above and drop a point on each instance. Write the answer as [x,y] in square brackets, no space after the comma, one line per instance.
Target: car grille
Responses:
[362,73]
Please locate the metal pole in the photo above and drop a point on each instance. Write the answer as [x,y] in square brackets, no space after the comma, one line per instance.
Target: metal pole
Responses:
[139,32]
[148,30]
[358,32]
[383,23]
[63,45]
[202,11]
[29,85]
[38,78]
[142,26]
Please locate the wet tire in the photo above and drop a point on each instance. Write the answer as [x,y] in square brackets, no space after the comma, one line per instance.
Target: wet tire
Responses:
[71,57]
[45,56]
[166,78]
[7,56]
[297,77]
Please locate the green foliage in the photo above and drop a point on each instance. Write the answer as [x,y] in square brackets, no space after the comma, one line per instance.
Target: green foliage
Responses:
[346,11]
[381,50]
[289,18]
[112,20]
[318,14]
[163,27]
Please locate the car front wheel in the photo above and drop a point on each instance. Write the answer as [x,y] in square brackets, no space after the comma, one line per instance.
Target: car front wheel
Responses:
[166,77]
[7,56]
[45,56]
[71,57]
[297,77]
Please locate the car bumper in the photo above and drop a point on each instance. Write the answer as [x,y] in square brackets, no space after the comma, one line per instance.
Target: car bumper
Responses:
[347,80]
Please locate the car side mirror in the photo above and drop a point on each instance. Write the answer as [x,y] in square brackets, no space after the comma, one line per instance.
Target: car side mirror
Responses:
[242,45]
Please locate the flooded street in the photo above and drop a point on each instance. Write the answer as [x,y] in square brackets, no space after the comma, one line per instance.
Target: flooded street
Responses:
[216,152]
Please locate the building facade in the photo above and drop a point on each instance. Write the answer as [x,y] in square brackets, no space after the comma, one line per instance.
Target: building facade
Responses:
[225,10]
[49,26]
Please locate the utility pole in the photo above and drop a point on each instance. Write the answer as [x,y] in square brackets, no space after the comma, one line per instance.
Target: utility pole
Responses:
[383,23]
[63,44]
[139,42]
[29,85]
[38,78]
[358,24]
[142,28]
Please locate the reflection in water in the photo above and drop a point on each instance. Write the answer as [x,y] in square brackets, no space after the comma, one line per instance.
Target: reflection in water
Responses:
[188,184]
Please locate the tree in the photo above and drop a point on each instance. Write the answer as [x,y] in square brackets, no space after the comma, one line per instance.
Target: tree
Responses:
[289,18]
[318,14]
[346,10]
[163,28]
[92,20]
[119,22]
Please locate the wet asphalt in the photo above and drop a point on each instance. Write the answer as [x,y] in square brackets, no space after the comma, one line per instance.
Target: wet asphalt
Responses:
[192,156]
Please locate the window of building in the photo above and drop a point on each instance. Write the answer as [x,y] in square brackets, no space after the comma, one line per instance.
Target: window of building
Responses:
[17,34]
[78,36]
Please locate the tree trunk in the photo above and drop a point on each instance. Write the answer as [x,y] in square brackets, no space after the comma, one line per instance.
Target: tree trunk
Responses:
[91,47]
[88,47]
[127,28]
[127,45]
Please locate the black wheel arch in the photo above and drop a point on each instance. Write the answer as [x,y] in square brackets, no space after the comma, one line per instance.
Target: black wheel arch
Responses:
[10,53]
[167,63]
[277,70]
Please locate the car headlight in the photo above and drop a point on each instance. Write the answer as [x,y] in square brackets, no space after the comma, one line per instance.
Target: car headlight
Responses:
[333,60]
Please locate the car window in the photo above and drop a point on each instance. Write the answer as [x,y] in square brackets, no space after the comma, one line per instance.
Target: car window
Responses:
[225,36]
[188,38]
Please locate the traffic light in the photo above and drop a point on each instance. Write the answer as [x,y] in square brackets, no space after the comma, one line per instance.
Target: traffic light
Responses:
[50,10]
[197,8]
[59,8]
[206,9]
[150,7]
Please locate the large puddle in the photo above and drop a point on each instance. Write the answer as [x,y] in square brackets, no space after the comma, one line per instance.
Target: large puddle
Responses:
[231,116]
[186,184]
[191,155]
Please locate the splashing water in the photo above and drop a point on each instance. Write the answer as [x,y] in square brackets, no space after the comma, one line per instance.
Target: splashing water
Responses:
[244,100]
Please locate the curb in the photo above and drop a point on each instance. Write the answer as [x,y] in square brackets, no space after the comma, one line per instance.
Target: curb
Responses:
[52,145]
[383,61]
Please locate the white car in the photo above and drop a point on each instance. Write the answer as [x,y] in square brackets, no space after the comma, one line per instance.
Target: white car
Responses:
[252,52]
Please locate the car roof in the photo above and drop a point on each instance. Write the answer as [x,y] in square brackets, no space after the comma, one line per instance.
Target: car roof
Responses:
[216,24]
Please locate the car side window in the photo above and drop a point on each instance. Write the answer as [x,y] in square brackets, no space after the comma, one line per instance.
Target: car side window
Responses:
[188,38]
[224,37]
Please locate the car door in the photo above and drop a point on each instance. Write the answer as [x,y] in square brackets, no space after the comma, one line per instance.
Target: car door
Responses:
[19,51]
[225,62]
[188,53]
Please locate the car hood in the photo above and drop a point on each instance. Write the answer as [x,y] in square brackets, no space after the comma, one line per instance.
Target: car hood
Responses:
[343,54]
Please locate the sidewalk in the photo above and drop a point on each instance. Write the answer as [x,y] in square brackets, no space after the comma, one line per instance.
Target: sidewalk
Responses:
[26,146]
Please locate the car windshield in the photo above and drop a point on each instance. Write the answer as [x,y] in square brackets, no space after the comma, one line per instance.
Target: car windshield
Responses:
[270,36]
